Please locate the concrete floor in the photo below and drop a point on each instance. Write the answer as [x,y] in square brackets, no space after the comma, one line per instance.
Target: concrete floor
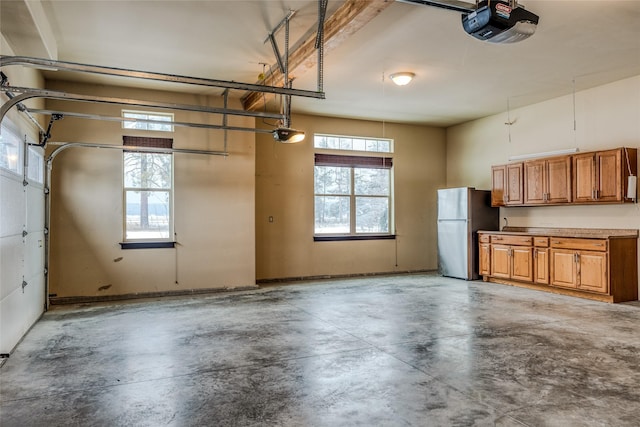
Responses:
[412,350]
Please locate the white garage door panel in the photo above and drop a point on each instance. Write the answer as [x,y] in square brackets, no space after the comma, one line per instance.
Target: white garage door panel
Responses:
[18,311]
[35,208]
[34,249]
[12,208]
[11,264]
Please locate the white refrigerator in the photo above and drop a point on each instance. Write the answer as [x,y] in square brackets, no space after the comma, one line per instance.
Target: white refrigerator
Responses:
[461,213]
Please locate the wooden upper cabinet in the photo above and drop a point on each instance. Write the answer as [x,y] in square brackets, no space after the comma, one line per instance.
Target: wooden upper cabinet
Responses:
[506,185]
[547,181]
[610,176]
[601,176]
[498,180]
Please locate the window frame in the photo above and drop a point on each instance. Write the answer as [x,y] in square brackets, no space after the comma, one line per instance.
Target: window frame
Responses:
[8,127]
[148,242]
[147,120]
[353,160]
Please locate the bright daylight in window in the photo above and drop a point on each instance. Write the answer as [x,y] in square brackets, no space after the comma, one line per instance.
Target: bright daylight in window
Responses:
[10,150]
[147,121]
[353,193]
[148,194]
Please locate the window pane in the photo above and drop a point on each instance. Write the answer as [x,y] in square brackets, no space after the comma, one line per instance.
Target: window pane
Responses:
[35,166]
[320,141]
[332,180]
[359,145]
[372,215]
[147,170]
[10,150]
[160,126]
[146,125]
[372,145]
[333,143]
[371,182]
[346,143]
[147,214]
[332,215]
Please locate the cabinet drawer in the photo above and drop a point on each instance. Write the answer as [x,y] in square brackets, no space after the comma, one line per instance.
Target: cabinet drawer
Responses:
[541,242]
[511,240]
[580,244]
[484,238]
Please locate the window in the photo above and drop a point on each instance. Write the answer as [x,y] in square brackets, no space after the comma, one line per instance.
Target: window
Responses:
[143,120]
[35,165]
[350,143]
[11,150]
[353,194]
[148,193]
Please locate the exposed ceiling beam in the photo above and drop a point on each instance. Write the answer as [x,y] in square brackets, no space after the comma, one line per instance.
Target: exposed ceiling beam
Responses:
[345,21]
[26,28]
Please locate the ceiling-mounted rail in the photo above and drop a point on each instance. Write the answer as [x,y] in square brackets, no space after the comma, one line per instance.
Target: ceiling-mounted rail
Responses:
[224,126]
[61,146]
[28,93]
[48,64]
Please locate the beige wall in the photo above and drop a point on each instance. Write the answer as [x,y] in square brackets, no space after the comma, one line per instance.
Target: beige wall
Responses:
[284,190]
[213,205]
[606,117]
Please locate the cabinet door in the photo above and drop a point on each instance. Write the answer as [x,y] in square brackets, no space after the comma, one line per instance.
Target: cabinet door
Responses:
[558,180]
[563,270]
[500,261]
[592,272]
[541,266]
[498,180]
[609,176]
[522,263]
[584,177]
[513,185]
[484,259]
[535,182]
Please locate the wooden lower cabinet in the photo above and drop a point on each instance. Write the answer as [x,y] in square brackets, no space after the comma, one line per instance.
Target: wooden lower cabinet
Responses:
[541,266]
[577,268]
[511,262]
[603,269]
[484,259]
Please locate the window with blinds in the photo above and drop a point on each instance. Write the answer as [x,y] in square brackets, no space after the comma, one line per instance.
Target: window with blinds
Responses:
[148,190]
[353,194]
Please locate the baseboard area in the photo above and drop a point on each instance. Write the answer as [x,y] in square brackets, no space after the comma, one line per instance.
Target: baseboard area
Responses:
[141,295]
[338,276]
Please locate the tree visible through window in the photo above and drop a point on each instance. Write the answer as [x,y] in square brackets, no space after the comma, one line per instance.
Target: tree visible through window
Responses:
[147,192]
[353,194]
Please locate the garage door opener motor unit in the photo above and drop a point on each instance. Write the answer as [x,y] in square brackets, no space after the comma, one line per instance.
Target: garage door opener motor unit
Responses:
[500,22]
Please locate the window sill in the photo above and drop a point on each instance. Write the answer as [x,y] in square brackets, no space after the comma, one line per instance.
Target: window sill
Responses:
[361,237]
[147,245]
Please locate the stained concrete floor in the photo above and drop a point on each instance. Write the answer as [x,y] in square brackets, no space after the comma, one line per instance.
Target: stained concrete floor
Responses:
[410,350]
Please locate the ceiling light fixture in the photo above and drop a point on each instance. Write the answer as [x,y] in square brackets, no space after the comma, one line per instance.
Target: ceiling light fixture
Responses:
[287,135]
[402,78]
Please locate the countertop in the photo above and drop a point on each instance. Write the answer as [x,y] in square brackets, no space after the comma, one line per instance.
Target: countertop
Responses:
[583,233]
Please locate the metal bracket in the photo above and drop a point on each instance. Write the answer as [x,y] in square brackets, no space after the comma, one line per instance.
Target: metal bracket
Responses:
[45,136]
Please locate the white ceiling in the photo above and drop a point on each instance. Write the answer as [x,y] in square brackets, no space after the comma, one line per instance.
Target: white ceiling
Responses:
[458,78]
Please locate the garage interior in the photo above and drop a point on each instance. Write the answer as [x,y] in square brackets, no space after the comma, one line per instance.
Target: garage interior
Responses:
[245,312]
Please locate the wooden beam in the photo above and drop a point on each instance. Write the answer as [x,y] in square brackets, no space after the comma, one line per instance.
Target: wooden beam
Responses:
[345,21]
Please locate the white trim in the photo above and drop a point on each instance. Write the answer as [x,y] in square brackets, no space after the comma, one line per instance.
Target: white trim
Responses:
[544,154]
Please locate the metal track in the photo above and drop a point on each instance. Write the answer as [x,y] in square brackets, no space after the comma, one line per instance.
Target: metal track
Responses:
[28,93]
[123,119]
[47,64]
